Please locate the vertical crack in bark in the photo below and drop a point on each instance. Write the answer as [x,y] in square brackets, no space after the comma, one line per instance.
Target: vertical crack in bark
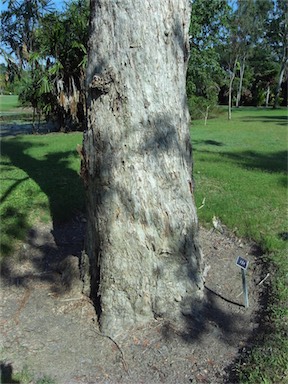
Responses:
[142,224]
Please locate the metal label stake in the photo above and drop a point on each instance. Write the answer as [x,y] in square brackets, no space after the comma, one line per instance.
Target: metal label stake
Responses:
[243,264]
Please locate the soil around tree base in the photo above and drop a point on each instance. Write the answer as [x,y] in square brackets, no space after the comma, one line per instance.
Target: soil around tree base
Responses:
[48,325]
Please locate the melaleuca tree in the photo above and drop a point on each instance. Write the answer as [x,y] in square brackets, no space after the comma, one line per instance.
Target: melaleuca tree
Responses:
[142,231]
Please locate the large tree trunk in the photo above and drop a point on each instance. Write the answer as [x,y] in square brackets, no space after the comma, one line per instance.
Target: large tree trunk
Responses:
[145,261]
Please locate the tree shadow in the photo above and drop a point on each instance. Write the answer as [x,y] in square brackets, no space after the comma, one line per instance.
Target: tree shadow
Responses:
[278,120]
[50,178]
[12,187]
[258,337]
[152,145]
[61,184]
[64,190]
[16,228]
[269,162]
[207,316]
[229,325]
[208,142]
[200,317]
[7,373]
[222,297]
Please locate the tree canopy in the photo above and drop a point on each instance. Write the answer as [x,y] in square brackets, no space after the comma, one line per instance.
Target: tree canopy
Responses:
[227,41]
[238,54]
[48,53]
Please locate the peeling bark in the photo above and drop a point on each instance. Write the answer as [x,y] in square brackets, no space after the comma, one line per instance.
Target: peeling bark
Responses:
[145,261]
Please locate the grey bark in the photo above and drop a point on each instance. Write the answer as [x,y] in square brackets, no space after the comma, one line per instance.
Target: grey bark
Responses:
[145,261]
[232,74]
[239,91]
[284,61]
[280,80]
[267,96]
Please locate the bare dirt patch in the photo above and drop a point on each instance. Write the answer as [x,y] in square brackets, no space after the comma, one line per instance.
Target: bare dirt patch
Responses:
[49,326]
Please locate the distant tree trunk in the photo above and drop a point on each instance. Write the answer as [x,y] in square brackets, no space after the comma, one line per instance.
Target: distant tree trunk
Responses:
[142,227]
[232,73]
[33,120]
[239,91]
[280,80]
[206,115]
[232,76]
[267,96]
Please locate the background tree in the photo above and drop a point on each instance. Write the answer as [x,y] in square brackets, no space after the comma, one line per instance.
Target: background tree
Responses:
[46,51]
[246,33]
[51,61]
[264,75]
[209,18]
[63,41]
[18,25]
[3,71]
[277,38]
[145,261]
[250,19]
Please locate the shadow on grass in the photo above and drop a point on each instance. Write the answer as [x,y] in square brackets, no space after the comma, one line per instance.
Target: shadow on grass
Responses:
[278,120]
[6,371]
[61,185]
[64,190]
[16,226]
[208,142]
[269,162]
[12,188]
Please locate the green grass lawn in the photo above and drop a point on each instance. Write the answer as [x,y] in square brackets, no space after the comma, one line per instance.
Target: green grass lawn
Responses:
[8,103]
[11,109]
[39,181]
[240,169]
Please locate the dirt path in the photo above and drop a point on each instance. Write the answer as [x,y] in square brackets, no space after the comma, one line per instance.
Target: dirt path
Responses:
[48,325]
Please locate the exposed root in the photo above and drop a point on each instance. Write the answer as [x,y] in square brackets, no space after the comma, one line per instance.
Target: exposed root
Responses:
[125,365]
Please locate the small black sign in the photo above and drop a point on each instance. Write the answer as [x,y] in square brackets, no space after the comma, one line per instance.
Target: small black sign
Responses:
[242,263]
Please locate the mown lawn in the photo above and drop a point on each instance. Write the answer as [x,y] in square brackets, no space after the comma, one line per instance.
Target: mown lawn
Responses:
[11,110]
[39,181]
[241,175]
[240,169]
[8,102]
